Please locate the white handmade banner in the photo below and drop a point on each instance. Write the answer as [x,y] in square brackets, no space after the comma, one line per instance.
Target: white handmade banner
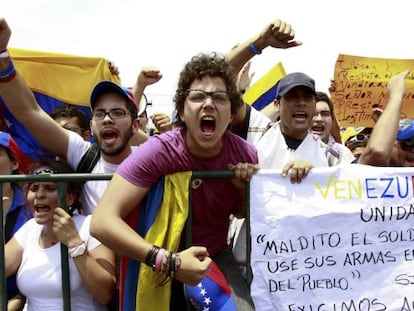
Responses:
[342,240]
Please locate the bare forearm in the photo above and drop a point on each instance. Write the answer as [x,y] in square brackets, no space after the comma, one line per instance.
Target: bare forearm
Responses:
[98,280]
[118,236]
[240,55]
[382,139]
[16,303]
[381,142]
[138,91]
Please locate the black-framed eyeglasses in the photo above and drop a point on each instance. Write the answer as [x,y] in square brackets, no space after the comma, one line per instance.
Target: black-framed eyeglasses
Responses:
[143,115]
[114,114]
[407,144]
[200,96]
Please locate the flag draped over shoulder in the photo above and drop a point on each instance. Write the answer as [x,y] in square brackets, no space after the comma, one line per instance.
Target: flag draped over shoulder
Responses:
[264,90]
[55,79]
[160,219]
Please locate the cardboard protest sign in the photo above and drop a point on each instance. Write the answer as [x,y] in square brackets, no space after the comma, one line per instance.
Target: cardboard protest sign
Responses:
[361,84]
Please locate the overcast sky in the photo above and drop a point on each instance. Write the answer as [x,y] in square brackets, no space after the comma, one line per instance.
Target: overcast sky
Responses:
[135,33]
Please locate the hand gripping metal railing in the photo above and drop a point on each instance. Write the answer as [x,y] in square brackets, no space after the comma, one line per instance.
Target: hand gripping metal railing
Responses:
[61,179]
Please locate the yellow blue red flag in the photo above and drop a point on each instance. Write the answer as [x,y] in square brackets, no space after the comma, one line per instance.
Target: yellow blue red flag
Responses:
[55,79]
[160,219]
[264,90]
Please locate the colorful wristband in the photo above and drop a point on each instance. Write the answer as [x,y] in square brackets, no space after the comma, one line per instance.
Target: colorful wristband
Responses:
[8,71]
[8,74]
[158,261]
[9,78]
[254,49]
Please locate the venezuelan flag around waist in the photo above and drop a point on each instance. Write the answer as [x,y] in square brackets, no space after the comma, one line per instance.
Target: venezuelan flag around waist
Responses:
[55,79]
[160,219]
[264,90]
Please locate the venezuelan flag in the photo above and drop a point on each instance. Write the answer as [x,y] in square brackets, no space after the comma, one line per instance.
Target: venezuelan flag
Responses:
[264,90]
[55,79]
[160,219]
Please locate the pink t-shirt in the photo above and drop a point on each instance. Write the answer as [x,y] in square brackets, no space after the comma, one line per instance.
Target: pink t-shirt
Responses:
[213,200]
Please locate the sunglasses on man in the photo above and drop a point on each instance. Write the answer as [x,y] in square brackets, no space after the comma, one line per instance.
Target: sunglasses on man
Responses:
[361,138]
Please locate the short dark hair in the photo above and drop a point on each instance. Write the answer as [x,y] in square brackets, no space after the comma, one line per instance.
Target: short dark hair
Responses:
[200,66]
[70,111]
[323,97]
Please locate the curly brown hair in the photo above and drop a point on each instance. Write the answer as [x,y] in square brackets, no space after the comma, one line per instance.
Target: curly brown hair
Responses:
[200,66]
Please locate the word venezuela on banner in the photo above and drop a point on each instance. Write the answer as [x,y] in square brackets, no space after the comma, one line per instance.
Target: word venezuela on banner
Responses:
[342,240]
[55,79]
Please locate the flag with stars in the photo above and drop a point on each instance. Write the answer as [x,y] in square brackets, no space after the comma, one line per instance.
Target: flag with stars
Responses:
[212,293]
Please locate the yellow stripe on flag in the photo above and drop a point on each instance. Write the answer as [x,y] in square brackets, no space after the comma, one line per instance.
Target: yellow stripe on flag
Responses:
[165,232]
[68,78]
[266,82]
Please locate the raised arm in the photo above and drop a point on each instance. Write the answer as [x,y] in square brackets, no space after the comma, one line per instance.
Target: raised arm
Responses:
[383,135]
[277,34]
[147,75]
[20,100]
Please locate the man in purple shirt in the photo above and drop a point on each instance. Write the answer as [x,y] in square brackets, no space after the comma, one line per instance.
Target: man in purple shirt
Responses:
[206,101]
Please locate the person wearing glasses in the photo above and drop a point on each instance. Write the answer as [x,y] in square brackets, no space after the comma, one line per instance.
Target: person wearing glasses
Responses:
[390,142]
[206,100]
[357,143]
[114,121]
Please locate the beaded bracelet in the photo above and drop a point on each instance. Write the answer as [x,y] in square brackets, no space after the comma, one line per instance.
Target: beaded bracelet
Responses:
[166,268]
[254,49]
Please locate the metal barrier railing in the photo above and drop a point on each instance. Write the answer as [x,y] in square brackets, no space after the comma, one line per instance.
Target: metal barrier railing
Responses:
[62,179]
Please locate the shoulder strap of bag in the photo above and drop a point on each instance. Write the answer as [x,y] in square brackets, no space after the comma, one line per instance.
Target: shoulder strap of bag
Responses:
[89,159]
